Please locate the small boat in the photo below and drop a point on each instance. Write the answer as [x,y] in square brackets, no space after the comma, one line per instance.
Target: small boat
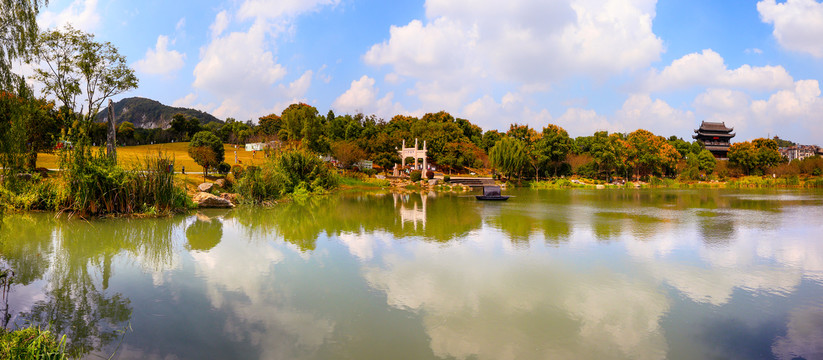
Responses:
[492,192]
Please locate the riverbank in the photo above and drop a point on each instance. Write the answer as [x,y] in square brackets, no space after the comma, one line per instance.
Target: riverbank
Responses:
[663,183]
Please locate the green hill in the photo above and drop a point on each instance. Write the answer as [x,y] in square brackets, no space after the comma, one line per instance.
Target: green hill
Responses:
[148,113]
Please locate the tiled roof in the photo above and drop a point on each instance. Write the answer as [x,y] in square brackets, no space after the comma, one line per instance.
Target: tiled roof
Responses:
[714,126]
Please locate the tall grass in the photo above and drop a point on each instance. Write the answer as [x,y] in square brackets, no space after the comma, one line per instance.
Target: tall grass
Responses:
[31,343]
[95,185]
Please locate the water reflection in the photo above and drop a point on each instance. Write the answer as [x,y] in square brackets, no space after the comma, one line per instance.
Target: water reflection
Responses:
[71,262]
[547,274]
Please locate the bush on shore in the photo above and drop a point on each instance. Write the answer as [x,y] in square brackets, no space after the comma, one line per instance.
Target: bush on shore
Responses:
[291,172]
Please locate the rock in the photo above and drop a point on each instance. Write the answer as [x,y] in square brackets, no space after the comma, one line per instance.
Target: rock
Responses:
[205,187]
[600,187]
[206,200]
[221,183]
[230,197]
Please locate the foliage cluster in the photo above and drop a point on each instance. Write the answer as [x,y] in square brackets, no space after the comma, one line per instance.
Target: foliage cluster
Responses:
[294,171]
[756,156]
[95,185]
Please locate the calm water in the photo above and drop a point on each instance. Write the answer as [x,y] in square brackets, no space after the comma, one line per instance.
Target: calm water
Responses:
[564,274]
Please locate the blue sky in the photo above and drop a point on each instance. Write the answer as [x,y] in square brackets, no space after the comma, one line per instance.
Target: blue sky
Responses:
[586,65]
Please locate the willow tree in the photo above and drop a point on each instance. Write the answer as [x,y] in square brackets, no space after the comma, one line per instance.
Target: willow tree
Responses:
[509,156]
[18,35]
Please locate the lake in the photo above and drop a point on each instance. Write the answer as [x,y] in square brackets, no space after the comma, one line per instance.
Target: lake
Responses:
[554,274]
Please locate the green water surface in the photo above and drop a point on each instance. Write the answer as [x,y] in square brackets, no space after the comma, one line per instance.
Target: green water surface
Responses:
[555,274]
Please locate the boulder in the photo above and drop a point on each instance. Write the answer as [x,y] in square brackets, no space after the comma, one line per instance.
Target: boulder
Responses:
[206,200]
[230,197]
[221,183]
[205,187]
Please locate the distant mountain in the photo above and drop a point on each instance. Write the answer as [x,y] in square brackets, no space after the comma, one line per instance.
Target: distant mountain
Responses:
[148,113]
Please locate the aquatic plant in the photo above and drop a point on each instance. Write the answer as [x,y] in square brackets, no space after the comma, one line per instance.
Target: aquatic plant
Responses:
[31,343]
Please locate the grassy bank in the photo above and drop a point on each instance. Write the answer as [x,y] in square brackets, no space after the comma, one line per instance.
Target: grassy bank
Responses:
[664,183]
[91,184]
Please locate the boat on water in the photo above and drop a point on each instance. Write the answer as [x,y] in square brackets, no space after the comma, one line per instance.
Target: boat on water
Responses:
[492,193]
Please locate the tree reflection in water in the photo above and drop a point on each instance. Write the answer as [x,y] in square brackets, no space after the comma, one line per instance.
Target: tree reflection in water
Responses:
[74,258]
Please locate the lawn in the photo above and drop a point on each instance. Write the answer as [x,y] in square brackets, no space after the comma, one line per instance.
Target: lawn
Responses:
[131,155]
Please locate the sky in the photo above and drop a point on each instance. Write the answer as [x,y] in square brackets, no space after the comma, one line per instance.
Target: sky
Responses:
[586,65]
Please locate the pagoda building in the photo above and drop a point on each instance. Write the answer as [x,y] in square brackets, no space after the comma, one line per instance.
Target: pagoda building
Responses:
[716,137]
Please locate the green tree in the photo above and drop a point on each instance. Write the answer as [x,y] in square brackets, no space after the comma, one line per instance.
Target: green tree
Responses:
[269,125]
[530,138]
[509,156]
[706,161]
[347,153]
[743,155]
[754,156]
[19,35]
[295,117]
[126,131]
[554,145]
[605,151]
[767,154]
[652,153]
[206,150]
[75,64]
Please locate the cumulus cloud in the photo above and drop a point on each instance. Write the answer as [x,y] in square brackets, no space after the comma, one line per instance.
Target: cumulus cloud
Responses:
[639,111]
[362,96]
[81,14]
[240,67]
[490,114]
[708,69]
[523,41]
[465,46]
[579,122]
[798,24]
[795,110]
[160,60]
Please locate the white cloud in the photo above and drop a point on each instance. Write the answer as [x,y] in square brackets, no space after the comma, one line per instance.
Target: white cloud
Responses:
[160,60]
[190,101]
[221,22]
[709,69]
[580,122]
[792,111]
[523,41]
[639,111]
[181,24]
[465,47]
[81,14]
[798,24]
[362,97]
[238,69]
[491,114]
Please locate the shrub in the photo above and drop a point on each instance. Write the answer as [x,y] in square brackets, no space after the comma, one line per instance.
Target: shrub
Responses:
[223,168]
[415,176]
[237,171]
[290,171]
[96,185]
[429,174]
[446,178]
